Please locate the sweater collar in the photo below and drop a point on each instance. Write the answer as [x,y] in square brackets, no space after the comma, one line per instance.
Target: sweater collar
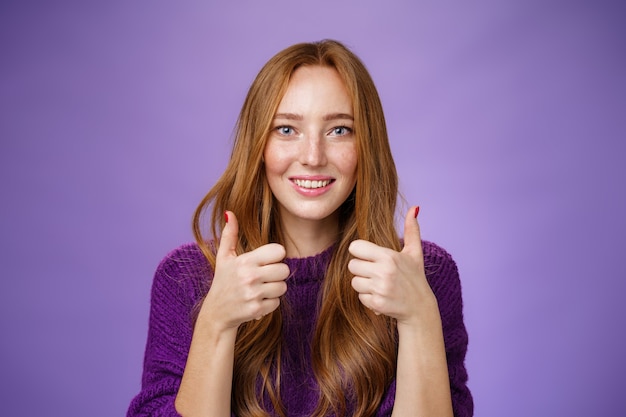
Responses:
[311,268]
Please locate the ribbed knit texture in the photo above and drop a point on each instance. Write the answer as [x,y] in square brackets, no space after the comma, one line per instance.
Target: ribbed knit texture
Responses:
[181,280]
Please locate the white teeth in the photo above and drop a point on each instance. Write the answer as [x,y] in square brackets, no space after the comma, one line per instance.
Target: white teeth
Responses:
[311,183]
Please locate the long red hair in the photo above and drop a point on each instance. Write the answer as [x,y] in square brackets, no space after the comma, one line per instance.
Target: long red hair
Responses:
[353,350]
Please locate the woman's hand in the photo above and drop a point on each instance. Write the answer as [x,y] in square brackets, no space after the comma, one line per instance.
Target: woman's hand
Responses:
[394,283]
[246,286]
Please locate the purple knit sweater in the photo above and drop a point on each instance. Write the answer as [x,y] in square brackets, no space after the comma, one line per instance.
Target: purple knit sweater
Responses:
[178,285]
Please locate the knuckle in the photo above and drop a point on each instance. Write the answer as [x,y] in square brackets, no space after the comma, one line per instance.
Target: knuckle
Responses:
[387,255]
[384,287]
[255,311]
[248,280]
[250,293]
[354,282]
[284,271]
[351,263]
[276,249]
[242,262]
[387,273]
[377,303]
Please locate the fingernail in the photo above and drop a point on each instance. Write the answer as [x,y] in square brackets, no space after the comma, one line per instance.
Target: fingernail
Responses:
[226,217]
[417,211]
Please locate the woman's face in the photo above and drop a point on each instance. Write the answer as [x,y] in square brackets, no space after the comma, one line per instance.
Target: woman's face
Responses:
[310,156]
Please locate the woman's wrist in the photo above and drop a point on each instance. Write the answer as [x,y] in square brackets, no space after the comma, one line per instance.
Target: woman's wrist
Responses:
[426,317]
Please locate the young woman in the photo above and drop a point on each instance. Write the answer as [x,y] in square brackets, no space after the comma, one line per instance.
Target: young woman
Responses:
[307,303]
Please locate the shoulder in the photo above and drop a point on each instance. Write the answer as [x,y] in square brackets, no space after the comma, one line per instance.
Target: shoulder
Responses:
[187,258]
[437,260]
[184,273]
[443,276]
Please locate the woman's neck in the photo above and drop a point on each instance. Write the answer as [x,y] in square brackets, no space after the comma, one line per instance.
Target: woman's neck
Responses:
[305,238]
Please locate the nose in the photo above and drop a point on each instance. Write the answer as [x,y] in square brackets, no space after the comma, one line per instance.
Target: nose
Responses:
[313,151]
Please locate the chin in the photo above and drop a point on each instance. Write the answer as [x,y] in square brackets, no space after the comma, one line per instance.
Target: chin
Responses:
[313,215]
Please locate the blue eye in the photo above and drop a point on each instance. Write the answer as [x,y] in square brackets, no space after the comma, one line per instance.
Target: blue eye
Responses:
[285,130]
[341,131]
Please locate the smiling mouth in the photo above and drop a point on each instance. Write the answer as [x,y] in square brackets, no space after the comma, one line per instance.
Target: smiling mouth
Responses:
[312,184]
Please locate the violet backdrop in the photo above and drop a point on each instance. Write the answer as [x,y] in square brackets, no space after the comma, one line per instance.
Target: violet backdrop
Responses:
[507,121]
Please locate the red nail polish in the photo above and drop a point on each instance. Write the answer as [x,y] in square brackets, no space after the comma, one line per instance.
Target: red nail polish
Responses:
[417,211]
[226,217]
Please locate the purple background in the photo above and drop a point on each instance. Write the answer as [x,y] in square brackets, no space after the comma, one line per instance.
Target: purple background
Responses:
[507,120]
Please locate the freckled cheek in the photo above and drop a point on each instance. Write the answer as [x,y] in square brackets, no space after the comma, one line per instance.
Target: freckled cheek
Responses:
[346,161]
[277,161]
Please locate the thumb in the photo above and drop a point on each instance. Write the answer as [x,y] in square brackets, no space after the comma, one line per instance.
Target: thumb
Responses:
[412,236]
[230,236]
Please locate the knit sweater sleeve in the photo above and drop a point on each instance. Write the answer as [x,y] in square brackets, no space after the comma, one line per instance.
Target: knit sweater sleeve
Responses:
[176,289]
[443,277]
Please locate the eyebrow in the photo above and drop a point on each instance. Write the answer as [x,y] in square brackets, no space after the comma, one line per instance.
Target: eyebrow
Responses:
[338,116]
[288,116]
[326,118]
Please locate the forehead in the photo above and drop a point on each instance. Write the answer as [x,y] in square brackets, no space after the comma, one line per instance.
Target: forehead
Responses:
[316,88]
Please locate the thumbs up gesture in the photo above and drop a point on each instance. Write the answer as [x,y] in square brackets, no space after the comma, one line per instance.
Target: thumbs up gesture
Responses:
[246,286]
[389,282]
